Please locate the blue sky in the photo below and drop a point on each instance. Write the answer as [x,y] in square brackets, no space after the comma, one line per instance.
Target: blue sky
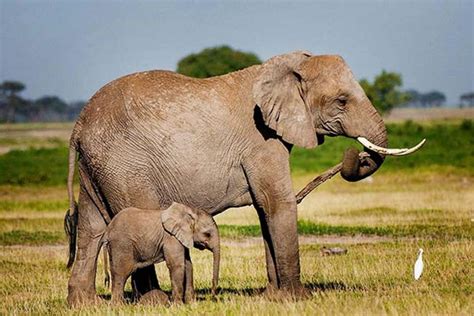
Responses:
[72,48]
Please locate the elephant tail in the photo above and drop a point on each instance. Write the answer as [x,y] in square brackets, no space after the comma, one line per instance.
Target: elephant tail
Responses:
[71,217]
[106,268]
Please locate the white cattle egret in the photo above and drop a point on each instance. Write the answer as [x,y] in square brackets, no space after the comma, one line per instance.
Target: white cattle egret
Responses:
[418,270]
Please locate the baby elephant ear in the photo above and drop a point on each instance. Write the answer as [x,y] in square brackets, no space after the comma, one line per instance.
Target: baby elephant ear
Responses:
[178,220]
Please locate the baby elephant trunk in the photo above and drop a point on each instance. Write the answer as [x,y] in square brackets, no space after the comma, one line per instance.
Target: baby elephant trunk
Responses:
[215,267]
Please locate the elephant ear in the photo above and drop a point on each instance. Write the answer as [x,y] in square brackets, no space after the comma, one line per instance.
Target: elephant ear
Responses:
[178,220]
[278,92]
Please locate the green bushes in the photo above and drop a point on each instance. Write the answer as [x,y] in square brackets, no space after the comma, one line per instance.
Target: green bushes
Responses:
[447,145]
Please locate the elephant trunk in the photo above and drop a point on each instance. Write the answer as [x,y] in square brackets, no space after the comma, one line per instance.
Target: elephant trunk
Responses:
[355,168]
[216,251]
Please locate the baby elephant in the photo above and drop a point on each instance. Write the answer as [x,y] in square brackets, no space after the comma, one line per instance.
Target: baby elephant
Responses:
[137,238]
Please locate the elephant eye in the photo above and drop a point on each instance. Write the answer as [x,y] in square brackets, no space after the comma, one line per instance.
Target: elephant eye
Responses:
[342,100]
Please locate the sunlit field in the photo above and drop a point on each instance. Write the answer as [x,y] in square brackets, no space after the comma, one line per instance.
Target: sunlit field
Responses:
[422,201]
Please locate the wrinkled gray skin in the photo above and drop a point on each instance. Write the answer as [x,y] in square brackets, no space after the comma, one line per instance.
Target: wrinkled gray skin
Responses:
[154,137]
[138,238]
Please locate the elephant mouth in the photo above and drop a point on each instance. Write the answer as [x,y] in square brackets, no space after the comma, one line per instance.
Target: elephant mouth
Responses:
[199,246]
[320,138]
[321,133]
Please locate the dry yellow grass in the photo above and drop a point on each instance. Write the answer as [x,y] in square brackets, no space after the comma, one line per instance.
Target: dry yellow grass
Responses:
[383,199]
[371,279]
[374,278]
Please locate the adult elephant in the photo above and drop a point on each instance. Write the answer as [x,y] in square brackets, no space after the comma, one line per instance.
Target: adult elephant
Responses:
[151,138]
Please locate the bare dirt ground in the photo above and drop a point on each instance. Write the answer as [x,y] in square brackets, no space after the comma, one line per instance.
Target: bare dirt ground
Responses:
[313,240]
[34,135]
[429,114]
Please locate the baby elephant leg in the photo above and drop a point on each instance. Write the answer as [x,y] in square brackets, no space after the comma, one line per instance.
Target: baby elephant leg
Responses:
[121,266]
[175,261]
[189,294]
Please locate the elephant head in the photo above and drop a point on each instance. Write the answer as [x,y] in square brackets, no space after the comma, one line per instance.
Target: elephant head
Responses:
[304,98]
[194,228]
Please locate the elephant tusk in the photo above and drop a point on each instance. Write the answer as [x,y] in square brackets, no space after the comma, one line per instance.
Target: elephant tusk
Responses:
[389,151]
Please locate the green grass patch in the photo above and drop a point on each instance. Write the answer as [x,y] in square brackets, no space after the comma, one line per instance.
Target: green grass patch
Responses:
[41,205]
[46,166]
[31,224]
[464,231]
[449,147]
[32,126]
[35,238]
[33,142]
[50,230]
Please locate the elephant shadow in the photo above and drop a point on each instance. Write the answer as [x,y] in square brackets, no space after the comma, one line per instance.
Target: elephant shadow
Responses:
[312,286]
[332,286]
[128,296]
[202,294]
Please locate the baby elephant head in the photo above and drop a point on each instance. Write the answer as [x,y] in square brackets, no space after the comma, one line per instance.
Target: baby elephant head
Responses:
[194,228]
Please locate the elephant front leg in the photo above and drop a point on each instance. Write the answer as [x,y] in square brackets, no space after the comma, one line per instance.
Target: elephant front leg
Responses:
[268,173]
[176,263]
[269,252]
[282,224]
[189,294]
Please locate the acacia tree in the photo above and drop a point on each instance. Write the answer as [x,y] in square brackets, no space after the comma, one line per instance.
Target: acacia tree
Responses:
[467,99]
[216,61]
[10,101]
[430,99]
[48,108]
[384,92]
[433,98]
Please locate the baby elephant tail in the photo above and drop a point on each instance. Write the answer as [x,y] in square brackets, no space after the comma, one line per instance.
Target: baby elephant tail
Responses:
[103,245]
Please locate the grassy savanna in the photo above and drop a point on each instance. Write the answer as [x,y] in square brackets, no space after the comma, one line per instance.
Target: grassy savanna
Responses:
[425,200]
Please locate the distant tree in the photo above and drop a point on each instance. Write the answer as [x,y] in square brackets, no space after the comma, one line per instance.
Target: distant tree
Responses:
[429,99]
[13,108]
[413,98]
[73,110]
[433,99]
[384,92]
[10,88]
[467,99]
[10,101]
[52,103]
[216,61]
[48,108]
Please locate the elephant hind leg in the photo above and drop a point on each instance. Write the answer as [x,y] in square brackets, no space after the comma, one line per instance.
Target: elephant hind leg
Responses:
[145,284]
[81,286]
[122,264]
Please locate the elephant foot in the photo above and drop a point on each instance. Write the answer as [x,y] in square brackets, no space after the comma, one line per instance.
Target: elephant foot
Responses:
[270,290]
[80,298]
[154,297]
[190,298]
[290,293]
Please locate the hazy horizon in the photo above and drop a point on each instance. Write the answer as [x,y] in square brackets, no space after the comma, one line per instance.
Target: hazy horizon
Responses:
[72,48]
